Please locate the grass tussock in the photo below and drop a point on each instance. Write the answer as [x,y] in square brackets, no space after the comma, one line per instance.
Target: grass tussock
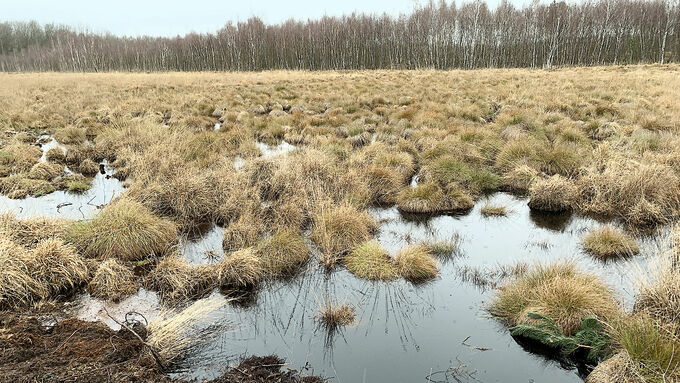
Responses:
[608,242]
[240,269]
[112,281]
[29,232]
[176,280]
[489,210]
[125,230]
[370,261]
[554,194]
[284,254]
[431,198]
[416,264]
[333,316]
[559,292]
[340,229]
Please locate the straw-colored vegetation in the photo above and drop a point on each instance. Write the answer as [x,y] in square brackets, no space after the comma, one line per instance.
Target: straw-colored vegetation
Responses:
[489,210]
[125,230]
[601,140]
[608,242]
[560,292]
[333,315]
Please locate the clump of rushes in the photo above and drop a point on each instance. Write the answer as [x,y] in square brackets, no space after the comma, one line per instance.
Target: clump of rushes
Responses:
[176,280]
[112,281]
[332,315]
[554,194]
[370,261]
[416,263]
[489,210]
[429,197]
[125,230]
[339,229]
[284,253]
[559,292]
[608,242]
[241,269]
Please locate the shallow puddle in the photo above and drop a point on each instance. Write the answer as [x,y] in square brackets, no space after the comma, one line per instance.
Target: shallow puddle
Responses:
[144,306]
[64,204]
[407,333]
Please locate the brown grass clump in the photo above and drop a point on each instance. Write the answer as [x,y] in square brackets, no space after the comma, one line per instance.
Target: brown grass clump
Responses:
[243,232]
[620,368]
[283,254]
[431,198]
[28,232]
[56,266]
[20,157]
[45,171]
[370,261]
[554,194]
[608,242]
[640,193]
[17,285]
[125,230]
[88,167]
[70,135]
[659,291]
[340,229]
[489,210]
[519,179]
[176,280]
[55,155]
[240,269]
[559,292]
[416,263]
[112,281]
[18,186]
[333,316]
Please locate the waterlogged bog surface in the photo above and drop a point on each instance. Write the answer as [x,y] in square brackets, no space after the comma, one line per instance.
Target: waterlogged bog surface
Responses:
[439,331]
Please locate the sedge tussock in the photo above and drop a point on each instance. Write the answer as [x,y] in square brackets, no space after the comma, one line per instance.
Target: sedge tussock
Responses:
[176,280]
[429,198]
[370,261]
[554,194]
[112,281]
[333,315]
[415,263]
[284,254]
[339,229]
[558,291]
[240,269]
[609,242]
[489,210]
[125,230]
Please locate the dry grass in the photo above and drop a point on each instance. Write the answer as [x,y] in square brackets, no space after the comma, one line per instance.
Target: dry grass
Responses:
[554,194]
[28,232]
[176,280]
[284,254]
[176,334]
[416,264]
[240,269]
[125,230]
[333,316]
[56,266]
[370,261]
[340,229]
[609,242]
[112,281]
[558,291]
[489,210]
[431,198]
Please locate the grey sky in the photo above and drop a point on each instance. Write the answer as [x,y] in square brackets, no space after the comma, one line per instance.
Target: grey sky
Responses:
[172,17]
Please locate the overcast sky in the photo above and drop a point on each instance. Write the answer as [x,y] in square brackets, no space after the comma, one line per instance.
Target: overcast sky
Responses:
[172,17]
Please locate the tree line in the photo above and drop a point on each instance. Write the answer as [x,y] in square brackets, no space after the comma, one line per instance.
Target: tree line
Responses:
[437,35]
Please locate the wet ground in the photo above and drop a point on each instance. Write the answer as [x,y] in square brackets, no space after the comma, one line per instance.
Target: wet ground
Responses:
[435,332]
[407,333]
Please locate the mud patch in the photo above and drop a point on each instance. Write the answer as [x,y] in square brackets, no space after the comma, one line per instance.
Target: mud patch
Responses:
[143,307]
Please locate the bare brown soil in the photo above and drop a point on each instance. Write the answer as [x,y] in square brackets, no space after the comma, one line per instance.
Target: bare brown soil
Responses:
[79,351]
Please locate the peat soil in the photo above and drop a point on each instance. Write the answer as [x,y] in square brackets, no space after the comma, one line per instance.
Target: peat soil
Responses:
[73,350]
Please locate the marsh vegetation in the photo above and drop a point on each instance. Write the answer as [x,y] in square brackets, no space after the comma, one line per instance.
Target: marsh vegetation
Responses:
[239,201]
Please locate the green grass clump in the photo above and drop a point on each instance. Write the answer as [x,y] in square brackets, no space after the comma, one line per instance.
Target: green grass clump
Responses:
[78,186]
[608,242]
[125,230]
[19,186]
[559,292]
[284,253]
[429,197]
[370,261]
[416,263]
[475,179]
